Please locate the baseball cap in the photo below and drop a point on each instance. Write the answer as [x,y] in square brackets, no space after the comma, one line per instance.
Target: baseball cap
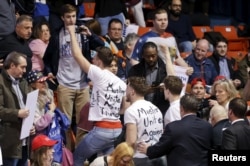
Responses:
[42,140]
[36,75]
[195,80]
[219,77]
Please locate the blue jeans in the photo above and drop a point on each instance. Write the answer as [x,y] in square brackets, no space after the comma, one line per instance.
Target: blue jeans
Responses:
[17,162]
[98,140]
[10,161]
[104,21]
[185,46]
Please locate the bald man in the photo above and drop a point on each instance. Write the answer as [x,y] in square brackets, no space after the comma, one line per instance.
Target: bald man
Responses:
[203,66]
[219,120]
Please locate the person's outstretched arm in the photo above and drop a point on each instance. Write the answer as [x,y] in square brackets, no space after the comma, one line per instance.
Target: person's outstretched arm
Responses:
[76,51]
[169,64]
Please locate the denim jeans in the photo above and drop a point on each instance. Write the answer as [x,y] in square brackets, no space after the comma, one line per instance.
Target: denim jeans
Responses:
[98,140]
[104,21]
[10,161]
[17,162]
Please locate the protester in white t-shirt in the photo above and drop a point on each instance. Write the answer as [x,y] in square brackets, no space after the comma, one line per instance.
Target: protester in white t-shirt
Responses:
[143,120]
[105,102]
[172,90]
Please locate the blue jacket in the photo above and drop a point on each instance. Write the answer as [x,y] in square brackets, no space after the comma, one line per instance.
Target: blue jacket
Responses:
[209,69]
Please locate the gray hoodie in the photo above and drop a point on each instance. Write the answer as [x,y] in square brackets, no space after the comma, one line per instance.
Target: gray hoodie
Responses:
[7,18]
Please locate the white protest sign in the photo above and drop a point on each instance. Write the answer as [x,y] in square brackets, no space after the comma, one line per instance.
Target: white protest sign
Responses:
[181,73]
[31,106]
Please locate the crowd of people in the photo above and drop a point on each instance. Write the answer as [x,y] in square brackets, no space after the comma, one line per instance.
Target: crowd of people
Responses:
[115,100]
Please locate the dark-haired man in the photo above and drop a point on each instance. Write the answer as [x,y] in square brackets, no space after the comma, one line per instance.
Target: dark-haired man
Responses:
[153,69]
[105,102]
[142,119]
[237,136]
[172,91]
[18,40]
[180,27]
[72,91]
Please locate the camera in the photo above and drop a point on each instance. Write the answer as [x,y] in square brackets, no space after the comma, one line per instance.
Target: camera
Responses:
[80,29]
[203,109]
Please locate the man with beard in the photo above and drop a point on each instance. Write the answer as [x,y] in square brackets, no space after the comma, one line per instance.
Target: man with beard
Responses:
[225,65]
[153,69]
[180,27]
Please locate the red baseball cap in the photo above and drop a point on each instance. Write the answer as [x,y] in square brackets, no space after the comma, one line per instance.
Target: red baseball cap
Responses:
[219,77]
[42,140]
[197,79]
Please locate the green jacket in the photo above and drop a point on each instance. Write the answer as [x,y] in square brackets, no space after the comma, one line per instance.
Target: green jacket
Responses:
[10,124]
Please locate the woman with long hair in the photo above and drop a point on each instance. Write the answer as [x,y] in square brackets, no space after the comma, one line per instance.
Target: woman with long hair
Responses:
[41,35]
[121,156]
[42,150]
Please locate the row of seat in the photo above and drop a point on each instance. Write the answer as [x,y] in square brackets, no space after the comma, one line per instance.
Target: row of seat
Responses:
[235,43]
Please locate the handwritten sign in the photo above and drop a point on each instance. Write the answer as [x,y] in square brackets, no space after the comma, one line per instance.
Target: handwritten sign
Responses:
[109,102]
[151,121]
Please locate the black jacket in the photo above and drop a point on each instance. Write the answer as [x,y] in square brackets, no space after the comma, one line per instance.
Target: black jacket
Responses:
[13,42]
[185,142]
[234,74]
[140,70]
[237,136]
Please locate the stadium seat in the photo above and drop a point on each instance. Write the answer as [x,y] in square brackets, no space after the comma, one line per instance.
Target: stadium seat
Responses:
[89,9]
[200,30]
[235,43]
[143,30]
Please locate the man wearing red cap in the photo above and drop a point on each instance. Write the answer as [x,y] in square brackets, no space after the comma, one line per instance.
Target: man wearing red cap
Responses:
[198,89]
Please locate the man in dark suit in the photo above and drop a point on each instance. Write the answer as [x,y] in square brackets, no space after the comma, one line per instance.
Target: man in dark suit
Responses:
[219,120]
[237,136]
[185,142]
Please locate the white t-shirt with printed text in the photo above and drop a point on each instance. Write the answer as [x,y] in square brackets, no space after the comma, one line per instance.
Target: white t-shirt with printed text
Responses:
[107,93]
[149,121]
